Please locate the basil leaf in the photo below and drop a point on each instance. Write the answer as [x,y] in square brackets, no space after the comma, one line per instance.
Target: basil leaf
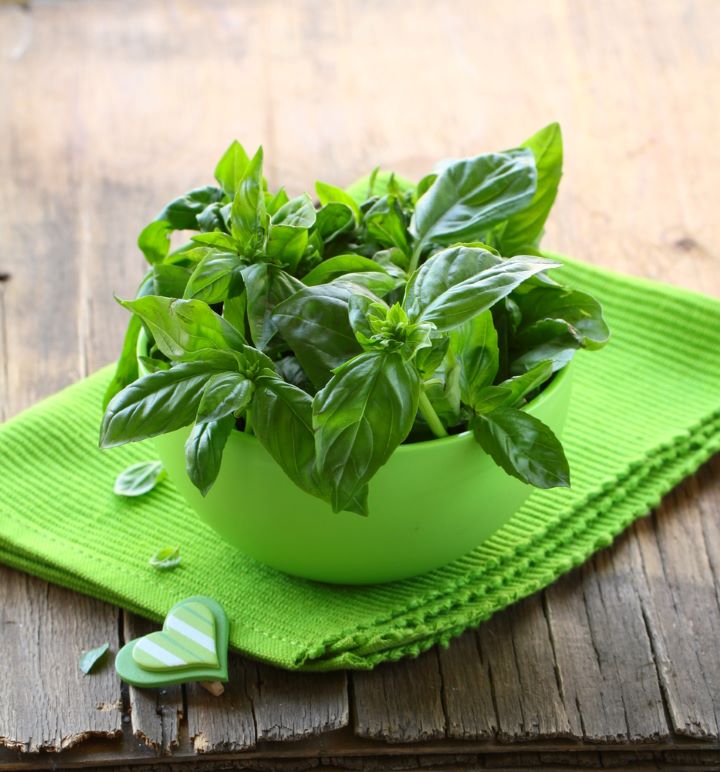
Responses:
[204,450]
[216,277]
[336,266]
[443,391]
[282,421]
[248,218]
[170,280]
[315,324]
[139,478]
[183,328]
[222,241]
[377,183]
[276,202]
[231,167]
[224,393]
[155,404]
[126,369]
[491,398]
[379,283]
[521,385]
[385,223]
[234,310]
[167,557]
[524,228]
[152,365]
[472,195]
[475,345]
[552,340]
[523,446]
[181,214]
[424,185]
[290,370]
[333,219]
[89,659]
[363,413]
[154,241]
[329,194]
[433,297]
[266,286]
[297,213]
[581,312]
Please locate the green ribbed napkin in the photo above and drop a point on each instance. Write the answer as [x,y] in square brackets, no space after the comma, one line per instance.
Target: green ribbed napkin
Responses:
[645,412]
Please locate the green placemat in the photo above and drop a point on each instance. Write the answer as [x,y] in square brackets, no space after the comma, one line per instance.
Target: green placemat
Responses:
[645,412]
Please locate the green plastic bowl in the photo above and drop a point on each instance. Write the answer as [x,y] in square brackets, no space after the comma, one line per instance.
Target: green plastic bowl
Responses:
[431,503]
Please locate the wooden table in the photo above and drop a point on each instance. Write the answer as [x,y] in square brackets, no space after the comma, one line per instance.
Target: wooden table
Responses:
[108,109]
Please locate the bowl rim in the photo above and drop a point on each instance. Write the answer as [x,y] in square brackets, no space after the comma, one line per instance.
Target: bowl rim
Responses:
[558,378]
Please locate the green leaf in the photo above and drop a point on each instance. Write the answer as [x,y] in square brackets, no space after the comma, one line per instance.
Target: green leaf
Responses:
[182,213]
[385,223]
[456,284]
[221,241]
[154,241]
[126,369]
[377,183]
[362,414]
[266,286]
[155,404]
[282,421]
[379,283]
[167,557]
[524,228]
[475,345]
[315,324]
[183,328]
[523,446]
[276,202]
[170,280]
[234,310]
[521,385]
[248,218]
[329,194]
[334,219]
[579,310]
[224,393]
[334,267]
[217,277]
[297,213]
[152,365]
[491,398]
[231,167]
[204,450]
[139,478]
[472,195]
[443,391]
[91,658]
[550,340]
[424,185]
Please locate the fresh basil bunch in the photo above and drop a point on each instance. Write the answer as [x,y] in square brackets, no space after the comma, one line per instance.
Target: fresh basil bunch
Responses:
[386,313]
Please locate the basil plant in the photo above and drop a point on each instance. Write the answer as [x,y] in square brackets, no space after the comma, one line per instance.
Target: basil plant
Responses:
[335,330]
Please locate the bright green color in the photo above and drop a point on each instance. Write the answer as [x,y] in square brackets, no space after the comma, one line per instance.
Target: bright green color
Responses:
[276,523]
[644,413]
[89,659]
[192,646]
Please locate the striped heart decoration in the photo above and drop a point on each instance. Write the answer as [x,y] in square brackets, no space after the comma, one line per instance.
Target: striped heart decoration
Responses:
[192,646]
[187,639]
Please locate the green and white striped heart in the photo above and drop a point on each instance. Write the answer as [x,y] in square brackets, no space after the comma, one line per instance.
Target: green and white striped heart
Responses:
[187,640]
[192,646]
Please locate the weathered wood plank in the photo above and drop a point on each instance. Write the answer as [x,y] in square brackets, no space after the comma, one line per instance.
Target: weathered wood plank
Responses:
[400,702]
[154,713]
[517,646]
[466,689]
[225,723]
[622,642]
[46,702]
[586,682]
[680,603]
[293,706]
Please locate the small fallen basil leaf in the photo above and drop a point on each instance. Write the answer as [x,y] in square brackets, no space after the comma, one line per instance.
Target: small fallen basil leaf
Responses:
[139,478]
[167,557]
[89,659]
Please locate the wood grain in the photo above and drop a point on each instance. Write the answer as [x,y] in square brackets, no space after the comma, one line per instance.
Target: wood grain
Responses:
[108,109]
